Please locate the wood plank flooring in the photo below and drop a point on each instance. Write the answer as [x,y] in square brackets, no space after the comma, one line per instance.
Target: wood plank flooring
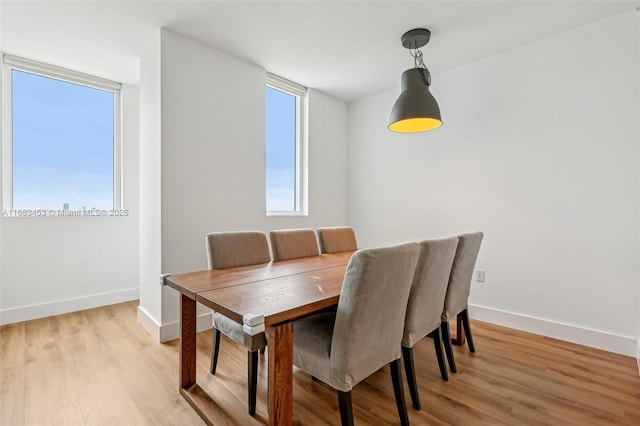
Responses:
[100,367]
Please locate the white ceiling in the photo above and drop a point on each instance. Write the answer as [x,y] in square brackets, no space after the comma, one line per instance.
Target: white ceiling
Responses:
[347,49]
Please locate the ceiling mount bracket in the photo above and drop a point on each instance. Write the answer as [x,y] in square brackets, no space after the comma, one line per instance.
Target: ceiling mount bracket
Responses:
[416,38]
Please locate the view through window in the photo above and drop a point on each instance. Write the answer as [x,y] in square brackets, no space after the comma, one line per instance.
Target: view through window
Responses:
[284,146]
[280,150]
[63,143]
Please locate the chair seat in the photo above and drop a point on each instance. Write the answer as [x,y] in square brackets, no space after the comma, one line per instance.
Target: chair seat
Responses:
[234,330]
[312,344]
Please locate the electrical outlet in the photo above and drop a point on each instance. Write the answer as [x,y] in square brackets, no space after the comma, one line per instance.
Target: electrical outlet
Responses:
[480,276]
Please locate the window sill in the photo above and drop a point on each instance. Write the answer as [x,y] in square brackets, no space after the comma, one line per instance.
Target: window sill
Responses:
[278,213]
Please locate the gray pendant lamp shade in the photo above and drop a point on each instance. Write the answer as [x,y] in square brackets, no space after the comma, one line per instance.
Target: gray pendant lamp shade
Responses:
[416,110]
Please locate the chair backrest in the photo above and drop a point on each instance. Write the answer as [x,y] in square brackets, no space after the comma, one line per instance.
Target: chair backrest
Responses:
[371,311]
[461,274]
[229,249]
[337,239]
[293,243]
[428,289]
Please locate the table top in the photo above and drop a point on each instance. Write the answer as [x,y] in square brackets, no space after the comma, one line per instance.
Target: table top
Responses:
[281,291]
[278,299]
[192,283]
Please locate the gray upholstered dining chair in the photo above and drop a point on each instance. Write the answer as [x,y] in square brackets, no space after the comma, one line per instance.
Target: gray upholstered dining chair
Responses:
[293,243]
[337,239]
[226,250]
[456,301]
[424,309]
[344,347]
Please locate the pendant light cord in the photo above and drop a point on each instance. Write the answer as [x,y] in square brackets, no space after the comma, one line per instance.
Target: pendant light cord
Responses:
[417,58]
[419,63]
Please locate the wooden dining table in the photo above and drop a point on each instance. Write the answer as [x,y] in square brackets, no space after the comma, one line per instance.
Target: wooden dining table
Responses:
[268,296]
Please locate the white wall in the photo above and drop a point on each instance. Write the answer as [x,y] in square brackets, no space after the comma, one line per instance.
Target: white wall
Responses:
[150,308]
[212,159]
[539,150]
[53,265]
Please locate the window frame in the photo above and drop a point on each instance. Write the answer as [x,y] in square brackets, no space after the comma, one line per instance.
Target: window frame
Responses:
[10,63]
[301,145]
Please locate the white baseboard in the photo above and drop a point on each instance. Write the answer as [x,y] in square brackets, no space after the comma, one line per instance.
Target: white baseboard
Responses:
[148,323]
[570,333]
[166,332]
[25,313]
[638,356]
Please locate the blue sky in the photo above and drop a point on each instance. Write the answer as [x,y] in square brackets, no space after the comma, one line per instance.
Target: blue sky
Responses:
[62,144]
[280,150]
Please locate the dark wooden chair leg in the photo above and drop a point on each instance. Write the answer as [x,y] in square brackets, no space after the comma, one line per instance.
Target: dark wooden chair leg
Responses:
[437,343]
[216,349]
[446,340]
[467,329]
[398,391]
[458,339]
[252,370]
[346,409]
[410,372]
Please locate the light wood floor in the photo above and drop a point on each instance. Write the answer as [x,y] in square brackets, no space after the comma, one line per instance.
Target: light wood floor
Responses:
[99,367]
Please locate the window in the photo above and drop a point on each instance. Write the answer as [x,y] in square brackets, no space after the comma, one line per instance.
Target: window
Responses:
[285,147]
[61,139]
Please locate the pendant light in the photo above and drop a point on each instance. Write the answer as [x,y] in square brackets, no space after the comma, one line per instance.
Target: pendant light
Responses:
[416,110]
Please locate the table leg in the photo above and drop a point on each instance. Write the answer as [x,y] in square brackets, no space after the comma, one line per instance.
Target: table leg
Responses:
[187,342]
[459,339]
[281,374]
[197,397]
